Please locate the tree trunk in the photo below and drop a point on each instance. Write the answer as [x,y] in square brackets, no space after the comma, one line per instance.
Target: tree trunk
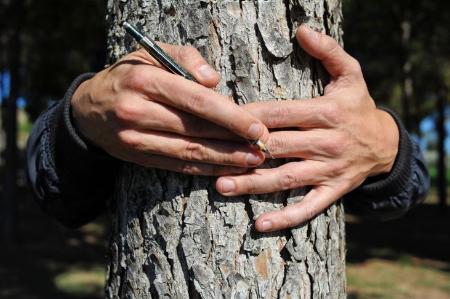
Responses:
[173,235]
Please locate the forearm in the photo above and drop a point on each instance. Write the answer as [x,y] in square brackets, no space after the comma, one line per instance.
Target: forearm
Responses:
[392,195]
[70,179]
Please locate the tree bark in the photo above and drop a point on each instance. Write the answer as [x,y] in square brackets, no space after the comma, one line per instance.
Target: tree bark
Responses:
[173,235]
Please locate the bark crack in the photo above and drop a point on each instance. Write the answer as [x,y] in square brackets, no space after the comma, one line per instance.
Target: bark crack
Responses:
[288,17]
[232,84]
[326,15]
[160,9]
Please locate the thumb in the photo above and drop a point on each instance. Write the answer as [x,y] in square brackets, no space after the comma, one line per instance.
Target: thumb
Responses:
[191,60]
[335,60]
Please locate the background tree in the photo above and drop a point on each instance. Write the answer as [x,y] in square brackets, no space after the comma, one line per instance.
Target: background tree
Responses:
[8,205]
[174,235]
[43,46]
[403,46]
[62,39]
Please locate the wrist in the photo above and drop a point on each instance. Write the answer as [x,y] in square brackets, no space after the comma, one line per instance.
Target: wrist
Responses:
[78,104]
[389,141]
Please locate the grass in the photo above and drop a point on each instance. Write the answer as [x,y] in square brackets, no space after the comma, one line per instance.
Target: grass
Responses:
[379,278]
[82,282]
[405,258]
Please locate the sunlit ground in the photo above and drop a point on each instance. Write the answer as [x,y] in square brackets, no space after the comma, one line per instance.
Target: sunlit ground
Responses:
[405,258]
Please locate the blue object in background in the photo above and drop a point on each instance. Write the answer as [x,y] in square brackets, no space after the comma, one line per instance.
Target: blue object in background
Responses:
[429,133]
[21,103]
[5,85]
[5,90]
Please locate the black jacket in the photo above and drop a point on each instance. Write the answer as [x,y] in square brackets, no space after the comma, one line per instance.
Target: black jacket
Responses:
[72,180]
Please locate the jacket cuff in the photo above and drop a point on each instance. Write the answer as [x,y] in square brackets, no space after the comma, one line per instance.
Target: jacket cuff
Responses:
[65,141]
[396,180]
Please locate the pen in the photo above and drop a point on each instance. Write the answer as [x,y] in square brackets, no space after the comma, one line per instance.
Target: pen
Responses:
[157,52]
[151,47]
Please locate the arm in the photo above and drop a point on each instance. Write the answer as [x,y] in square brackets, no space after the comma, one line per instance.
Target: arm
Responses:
[137,112]
[70,179]
[391,195]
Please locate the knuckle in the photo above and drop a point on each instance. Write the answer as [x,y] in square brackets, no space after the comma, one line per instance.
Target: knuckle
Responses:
[250,185]
[276,116]
[195,102]
[331,45]
[188,52]
[195,152]
[332,113]
[335,146]
[277,145]
[135,79]
[336,169]
[289,220]
[129,139]
[125,111]
[288,180]
[310,212]
[354,66]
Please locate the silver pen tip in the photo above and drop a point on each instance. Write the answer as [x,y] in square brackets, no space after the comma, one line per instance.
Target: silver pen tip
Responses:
[262,147]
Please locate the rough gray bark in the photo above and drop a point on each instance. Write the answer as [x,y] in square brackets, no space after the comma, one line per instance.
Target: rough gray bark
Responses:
[174,236]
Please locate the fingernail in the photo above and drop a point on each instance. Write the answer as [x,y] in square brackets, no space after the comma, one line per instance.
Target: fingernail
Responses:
[313,34]
[206,71]
[252,159]
[255,131]
[266,225]
[227,185]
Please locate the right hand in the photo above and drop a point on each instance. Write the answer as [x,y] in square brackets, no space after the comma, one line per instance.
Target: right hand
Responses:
[138,112]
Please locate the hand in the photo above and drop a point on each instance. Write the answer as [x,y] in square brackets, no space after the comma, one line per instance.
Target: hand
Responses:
[343,139]
[138,112]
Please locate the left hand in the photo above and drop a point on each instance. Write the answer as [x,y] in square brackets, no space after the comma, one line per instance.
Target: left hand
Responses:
[342,139]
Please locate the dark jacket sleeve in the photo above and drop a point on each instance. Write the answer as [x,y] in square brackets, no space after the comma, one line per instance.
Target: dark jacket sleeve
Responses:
[392,195]
[71,179]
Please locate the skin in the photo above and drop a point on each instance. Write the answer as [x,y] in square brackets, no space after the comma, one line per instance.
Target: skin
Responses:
[341,139]
[138,112]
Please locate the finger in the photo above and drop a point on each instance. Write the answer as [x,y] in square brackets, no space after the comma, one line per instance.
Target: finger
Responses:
[315,144]
[186,167]
[336,61]
[316,201]
[317,113]
[259,181]
[190,59]
[136,113]
[203,102]
[191,149]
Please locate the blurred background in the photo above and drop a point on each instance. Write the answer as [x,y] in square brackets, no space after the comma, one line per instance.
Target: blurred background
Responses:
[404,49]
